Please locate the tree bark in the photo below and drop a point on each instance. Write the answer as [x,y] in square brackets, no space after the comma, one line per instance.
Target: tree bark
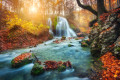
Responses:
[110,5]
[100,7]
[89,8]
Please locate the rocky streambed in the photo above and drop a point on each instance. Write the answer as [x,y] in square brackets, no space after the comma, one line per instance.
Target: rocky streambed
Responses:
[79,57]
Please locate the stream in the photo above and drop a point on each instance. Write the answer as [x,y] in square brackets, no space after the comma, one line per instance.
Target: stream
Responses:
[78,56]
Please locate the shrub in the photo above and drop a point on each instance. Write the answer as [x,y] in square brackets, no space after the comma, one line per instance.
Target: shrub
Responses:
[28,26]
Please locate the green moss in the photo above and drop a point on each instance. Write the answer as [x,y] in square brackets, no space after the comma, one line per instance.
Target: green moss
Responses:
[55,22]
[117,49]
[72,26]
[61,68]
[76,39]
[63,38]
[83,44]
[69,45]
[21,63]
[37,69]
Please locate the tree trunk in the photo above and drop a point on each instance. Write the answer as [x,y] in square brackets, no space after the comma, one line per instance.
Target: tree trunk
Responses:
[118,3]
[110,5]
[100,7]
[89,8]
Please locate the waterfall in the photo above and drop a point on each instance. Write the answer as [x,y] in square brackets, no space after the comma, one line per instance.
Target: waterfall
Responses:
[63,28]
[50,25]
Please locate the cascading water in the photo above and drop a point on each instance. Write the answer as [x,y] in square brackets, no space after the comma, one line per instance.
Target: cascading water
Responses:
[63,28]
[50,25]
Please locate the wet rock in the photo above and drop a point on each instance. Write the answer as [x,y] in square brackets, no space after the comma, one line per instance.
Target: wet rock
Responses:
[22,60]
[104,37]
[85,43]
[67,64]
[117,48]
[61,68]
[81,34]
[70,45]
[63,38]
[37,69]
[50,65]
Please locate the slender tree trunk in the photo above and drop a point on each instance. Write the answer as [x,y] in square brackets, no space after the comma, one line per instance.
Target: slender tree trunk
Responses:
[118,3]
[89,8]
[110,5]
[100,7]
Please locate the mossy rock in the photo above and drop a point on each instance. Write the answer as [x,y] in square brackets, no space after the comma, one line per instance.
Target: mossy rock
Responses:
[37,69]
[70,45]
[21,63]
[61,68]
[85,43]
[76,39]
[50,37]
[63,38]
[117,52]
[22,60]
[117,49]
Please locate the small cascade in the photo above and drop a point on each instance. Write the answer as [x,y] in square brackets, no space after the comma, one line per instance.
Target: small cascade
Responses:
[63,28]
[50,25]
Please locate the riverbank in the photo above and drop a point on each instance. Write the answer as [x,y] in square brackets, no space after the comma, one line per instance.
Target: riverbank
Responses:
[13,40]
[105,47]
[79,57]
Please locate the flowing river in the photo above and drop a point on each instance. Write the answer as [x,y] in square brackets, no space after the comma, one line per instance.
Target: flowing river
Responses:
[78,56]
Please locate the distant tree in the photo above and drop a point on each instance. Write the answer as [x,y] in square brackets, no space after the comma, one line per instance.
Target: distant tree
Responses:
[100,7]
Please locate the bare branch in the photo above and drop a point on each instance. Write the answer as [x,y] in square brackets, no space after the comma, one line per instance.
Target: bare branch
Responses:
[89,8]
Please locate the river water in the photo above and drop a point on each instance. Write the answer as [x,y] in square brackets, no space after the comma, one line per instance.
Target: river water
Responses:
[78,56]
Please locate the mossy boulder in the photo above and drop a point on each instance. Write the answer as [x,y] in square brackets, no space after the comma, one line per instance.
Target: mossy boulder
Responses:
[63,38]
[22,60]
[61,68]
[37,69]
[85,43]
[70,45]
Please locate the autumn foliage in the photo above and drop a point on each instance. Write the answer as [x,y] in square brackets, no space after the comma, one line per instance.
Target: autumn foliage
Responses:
[51,65]
[22,57]
[112,67]
[19,33]
[104,16]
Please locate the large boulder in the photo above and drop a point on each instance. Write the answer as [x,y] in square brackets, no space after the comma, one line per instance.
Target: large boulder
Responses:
[61,68]
[50,65]
[37,69]
[21,60]
[104,36]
